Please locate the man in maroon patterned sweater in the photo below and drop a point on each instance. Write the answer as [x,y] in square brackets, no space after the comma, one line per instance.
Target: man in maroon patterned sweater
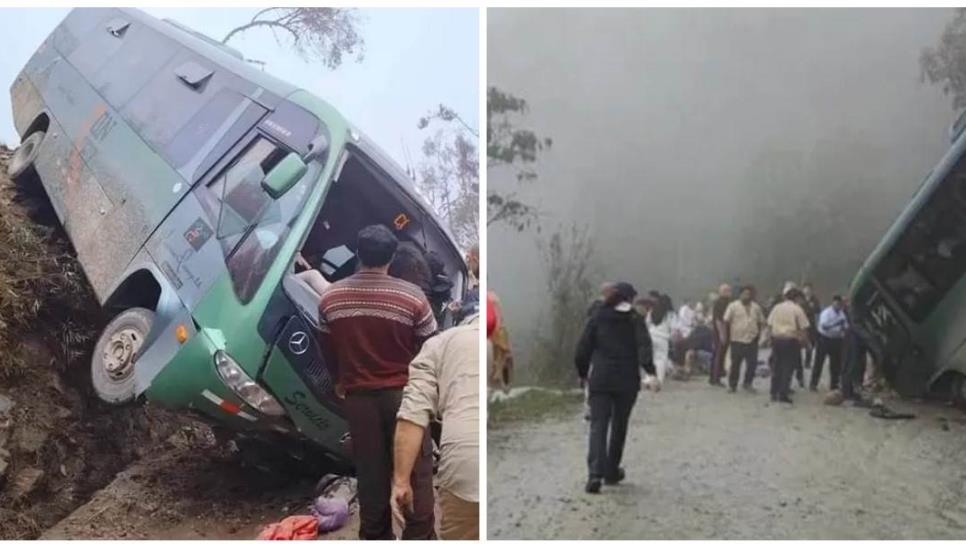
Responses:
[372,327]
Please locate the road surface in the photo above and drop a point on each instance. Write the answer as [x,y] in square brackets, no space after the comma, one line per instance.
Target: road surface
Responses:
[703,463]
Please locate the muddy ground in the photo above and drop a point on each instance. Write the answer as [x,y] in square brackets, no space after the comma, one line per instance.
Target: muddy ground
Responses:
[705,464]
[187,493]
[74,467]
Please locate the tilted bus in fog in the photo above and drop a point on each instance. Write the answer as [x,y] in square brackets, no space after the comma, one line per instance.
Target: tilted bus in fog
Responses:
[187,182]
[909,297]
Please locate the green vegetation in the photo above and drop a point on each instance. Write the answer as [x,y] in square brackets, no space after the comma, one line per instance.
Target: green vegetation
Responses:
[533,404]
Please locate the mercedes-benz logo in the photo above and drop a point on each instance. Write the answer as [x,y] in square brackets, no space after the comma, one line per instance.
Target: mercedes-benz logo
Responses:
[298,342]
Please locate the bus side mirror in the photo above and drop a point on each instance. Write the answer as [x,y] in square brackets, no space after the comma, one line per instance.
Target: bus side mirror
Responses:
[284,175]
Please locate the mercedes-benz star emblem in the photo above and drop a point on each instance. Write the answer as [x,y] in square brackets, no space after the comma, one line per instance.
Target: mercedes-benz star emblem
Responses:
[298,342]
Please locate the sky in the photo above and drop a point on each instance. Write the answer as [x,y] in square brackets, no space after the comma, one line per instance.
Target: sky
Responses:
[700,146]
[415,59]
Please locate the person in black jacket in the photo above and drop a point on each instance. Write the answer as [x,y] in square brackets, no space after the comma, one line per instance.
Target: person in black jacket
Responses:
[613,348]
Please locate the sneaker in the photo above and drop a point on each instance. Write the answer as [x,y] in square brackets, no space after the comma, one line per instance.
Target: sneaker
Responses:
[617,479]
[785,399]
[593,485]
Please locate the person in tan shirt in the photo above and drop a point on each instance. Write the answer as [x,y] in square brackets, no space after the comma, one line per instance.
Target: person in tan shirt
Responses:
[444,381]
[745,320]
[788,325]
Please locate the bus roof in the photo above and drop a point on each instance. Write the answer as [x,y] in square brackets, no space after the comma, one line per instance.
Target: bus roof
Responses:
[209,48]
[231,60]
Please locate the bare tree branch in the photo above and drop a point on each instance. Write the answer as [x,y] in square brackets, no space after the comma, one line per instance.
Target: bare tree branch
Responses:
[315,34]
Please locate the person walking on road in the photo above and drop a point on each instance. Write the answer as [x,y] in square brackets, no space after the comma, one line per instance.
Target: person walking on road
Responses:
[788,325]
[720,334]
[372,327]
[746,321]
[832,327]
[612,349]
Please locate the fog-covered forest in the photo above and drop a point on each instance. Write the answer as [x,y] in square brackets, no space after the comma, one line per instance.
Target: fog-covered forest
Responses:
[691,147]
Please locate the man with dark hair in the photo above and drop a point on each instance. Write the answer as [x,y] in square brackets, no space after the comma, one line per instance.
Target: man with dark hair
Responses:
[372,327]
[376,246]
[745,320]
[832,326]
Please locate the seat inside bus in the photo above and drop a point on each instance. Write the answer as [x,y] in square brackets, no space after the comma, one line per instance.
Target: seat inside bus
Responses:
[361,196]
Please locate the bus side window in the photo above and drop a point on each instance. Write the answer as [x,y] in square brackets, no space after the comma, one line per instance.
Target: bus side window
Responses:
[238,188]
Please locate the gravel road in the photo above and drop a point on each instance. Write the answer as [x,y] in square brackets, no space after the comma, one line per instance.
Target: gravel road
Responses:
[703,463]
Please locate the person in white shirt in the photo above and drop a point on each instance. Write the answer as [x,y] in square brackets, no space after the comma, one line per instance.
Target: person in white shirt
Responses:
[746,321]
[659,324]
[832,326]
[686,319]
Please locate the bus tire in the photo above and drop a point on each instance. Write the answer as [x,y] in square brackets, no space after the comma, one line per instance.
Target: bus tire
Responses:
[116,352]
[25,155]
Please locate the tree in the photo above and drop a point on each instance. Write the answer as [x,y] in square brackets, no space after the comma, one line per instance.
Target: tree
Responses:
[945,64]
[323,34]
[448,174]
[567,256]
[513,147]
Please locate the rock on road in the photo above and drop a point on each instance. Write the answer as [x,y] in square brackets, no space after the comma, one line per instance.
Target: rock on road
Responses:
[703,463]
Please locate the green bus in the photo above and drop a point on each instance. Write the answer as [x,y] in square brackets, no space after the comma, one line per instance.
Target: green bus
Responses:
[188,182]
[909,296]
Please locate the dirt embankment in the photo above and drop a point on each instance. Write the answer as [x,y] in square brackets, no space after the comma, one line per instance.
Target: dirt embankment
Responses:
[73,467]
[57,444]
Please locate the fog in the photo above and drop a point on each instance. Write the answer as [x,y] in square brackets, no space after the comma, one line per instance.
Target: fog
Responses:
[701,146]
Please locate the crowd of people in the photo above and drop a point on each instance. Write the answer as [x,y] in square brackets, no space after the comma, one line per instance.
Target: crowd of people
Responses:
[396,374]
[625,334]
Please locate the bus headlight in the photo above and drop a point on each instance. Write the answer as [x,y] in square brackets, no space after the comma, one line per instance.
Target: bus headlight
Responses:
[253,394]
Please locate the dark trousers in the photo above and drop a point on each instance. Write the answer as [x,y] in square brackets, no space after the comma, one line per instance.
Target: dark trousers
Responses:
[608,411]
[748,353]
[832,347]
[788,355]
[854,370]
[717,359]
[372,423]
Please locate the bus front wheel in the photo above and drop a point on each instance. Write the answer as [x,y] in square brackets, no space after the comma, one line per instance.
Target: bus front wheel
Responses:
[116,352]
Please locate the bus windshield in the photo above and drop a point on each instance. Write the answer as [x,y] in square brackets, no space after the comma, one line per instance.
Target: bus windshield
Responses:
[929,258]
